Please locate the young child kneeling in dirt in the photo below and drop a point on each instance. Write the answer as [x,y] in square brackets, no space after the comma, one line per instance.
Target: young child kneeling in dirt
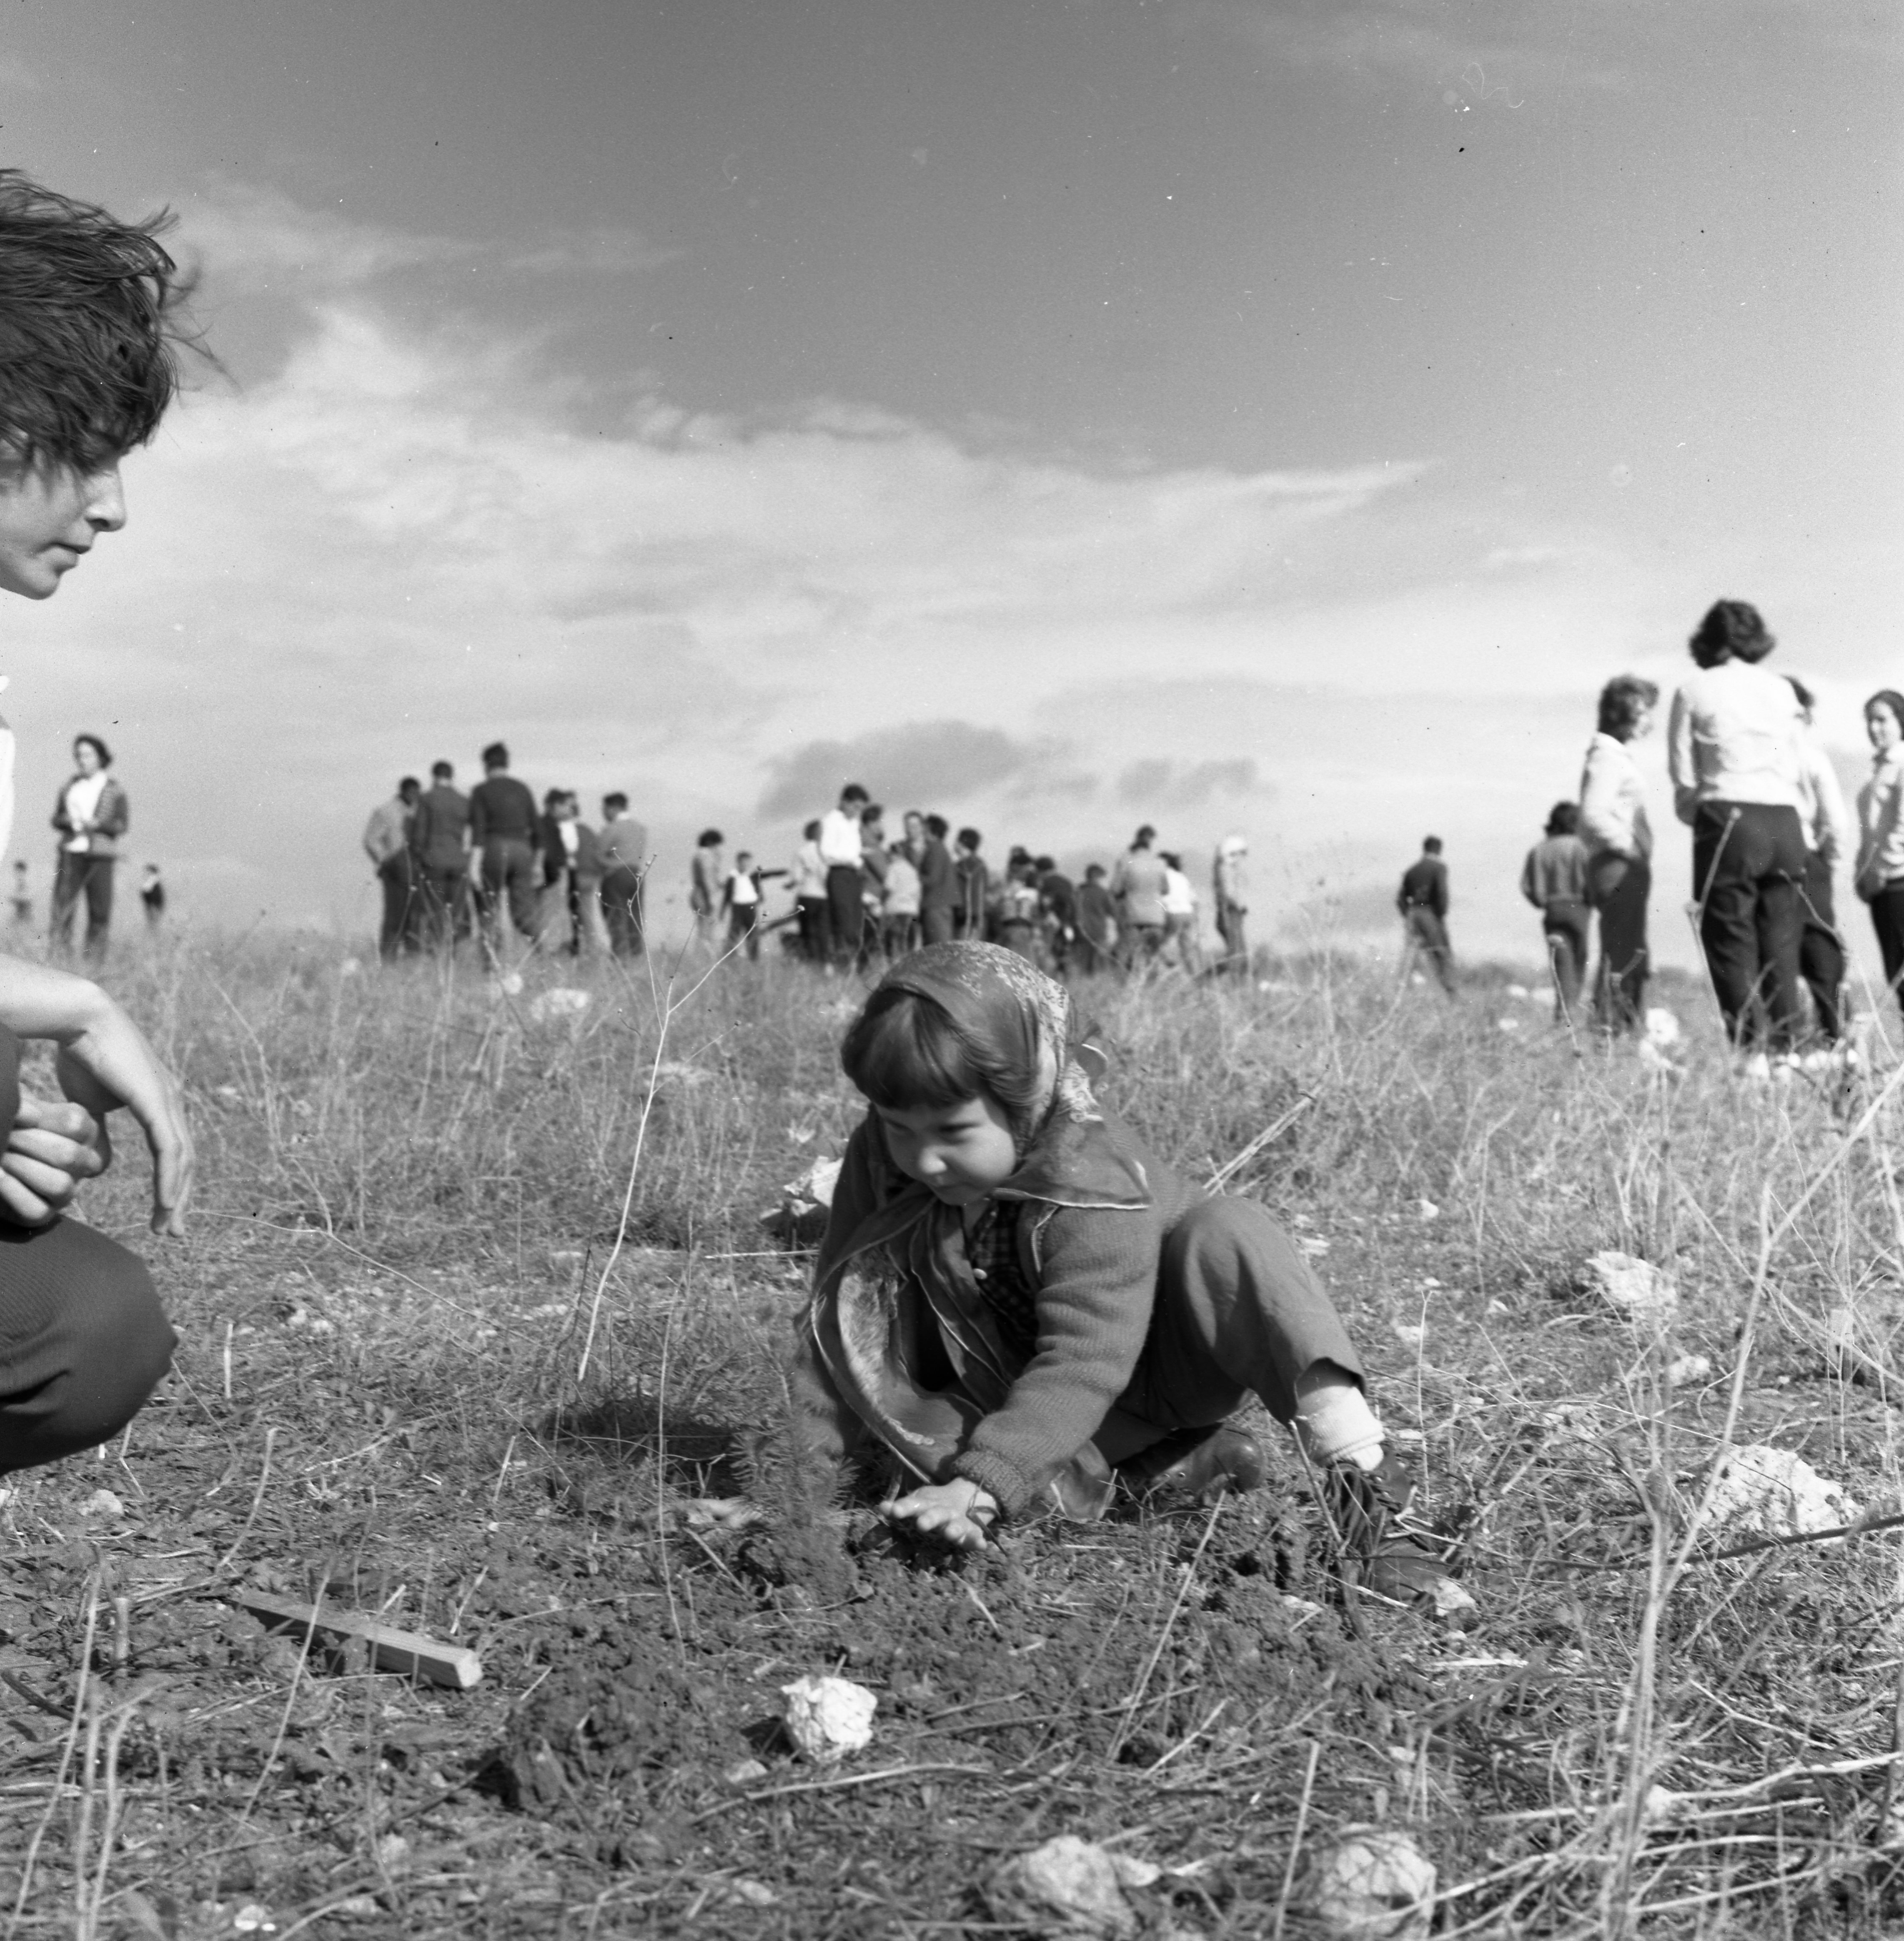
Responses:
[1023,1305]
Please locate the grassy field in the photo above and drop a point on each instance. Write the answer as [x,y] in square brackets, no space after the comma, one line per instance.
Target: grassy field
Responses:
[478,1308]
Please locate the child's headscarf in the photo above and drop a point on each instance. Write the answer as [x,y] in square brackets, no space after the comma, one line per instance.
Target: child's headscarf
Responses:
[1027,1022]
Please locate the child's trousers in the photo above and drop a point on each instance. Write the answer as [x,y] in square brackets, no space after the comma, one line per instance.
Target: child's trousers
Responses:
[1239,1312]
[83,1341]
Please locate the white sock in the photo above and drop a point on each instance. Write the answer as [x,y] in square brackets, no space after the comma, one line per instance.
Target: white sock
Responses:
[1335,1424]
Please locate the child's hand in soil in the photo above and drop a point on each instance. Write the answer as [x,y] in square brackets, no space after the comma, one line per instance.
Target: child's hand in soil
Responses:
[957,1513]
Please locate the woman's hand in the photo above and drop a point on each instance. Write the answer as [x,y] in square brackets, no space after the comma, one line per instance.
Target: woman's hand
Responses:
[958,1513]
[50,1149]
[109,1065]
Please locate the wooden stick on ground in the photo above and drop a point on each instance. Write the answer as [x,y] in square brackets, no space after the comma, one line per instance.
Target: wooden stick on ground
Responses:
[390,1649]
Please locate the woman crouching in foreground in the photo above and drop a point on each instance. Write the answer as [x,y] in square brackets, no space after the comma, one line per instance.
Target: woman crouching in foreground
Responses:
[1021,1304]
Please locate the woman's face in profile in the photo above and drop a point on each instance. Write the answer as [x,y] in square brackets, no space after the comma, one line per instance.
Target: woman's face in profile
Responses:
[1642,725]
[1882,726]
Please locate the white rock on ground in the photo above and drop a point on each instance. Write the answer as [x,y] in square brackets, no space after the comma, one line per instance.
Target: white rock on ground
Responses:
[1635,1288]
[561,1002]
[1373,1883]
[1684,1369]
[1767,1492]
[1070,1886]
[827,1718]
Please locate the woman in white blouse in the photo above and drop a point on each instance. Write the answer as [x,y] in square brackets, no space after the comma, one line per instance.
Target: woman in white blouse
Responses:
[1881,829]
[1619,842]
[1736,751]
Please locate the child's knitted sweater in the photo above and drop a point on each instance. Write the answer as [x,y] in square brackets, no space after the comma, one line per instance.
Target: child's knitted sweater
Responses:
[1093,1270]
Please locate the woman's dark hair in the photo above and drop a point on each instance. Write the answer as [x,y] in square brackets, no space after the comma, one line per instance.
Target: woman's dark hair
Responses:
[874,812]
[1732,631]
[1144,835]
[98,746]
[1171,859]
[1888,697]
[1622,700]
[905,1051]
[711,839]
[935,827]
[811,833]
[969,838]
[89,329]
[552,799]
[1563,818]
[1807,699]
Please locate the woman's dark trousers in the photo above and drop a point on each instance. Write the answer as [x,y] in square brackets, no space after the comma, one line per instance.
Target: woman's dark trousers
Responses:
[1618,887]
[1821,950]
[1748,862]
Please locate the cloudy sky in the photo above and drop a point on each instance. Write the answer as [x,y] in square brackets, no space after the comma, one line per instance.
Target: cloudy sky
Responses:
[1274,414]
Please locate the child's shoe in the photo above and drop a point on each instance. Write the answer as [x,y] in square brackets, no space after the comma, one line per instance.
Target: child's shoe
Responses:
[1394,1554]
[1200,1463]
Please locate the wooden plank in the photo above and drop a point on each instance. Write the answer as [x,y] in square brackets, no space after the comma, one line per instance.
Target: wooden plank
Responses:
[390,1649]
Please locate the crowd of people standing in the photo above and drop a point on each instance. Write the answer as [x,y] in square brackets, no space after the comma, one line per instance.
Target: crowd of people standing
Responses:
[450,865]
[861,896]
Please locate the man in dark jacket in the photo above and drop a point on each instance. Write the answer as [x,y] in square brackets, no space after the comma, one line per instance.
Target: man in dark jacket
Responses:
[502,820]
[439,843]
[1423,902]
[1059,894]
[622,846]
[938,883]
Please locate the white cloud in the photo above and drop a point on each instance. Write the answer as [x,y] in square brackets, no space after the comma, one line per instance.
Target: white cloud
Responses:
[259,237]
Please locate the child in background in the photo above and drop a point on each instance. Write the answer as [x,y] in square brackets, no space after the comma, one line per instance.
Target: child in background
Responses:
[1180,939]
[900,908]
[1024,1306]
[740,903]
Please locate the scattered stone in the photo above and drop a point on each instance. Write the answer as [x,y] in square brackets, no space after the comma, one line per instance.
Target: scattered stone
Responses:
[1508,1024]
[1068,1886]
[805,1203]
[1636,1288]
[744,1772]
[1410,1334]
[1426,1210]
[393,1850]
[252,1919]
[510,983]
[1519,992]
[1684,1369]
[357,1907]
[561,1000]
[827,1718]
[1767,1492]
[1453,1605]
[103,1503]
[750,1893]
[1374,1882]
[1662,1028]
